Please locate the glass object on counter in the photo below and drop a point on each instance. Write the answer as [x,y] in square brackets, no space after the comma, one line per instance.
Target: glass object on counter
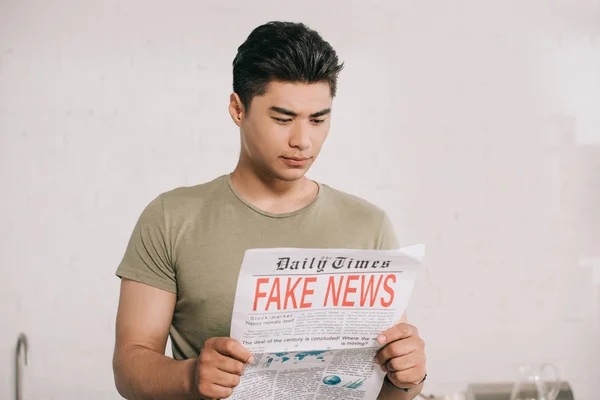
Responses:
[536,382]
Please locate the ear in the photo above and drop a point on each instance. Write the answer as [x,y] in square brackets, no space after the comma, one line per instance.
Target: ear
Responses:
[236,109]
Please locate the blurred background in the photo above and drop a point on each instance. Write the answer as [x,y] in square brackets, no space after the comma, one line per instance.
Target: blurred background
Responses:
[475,124]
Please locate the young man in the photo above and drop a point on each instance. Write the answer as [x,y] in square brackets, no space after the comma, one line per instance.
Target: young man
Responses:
[180,268]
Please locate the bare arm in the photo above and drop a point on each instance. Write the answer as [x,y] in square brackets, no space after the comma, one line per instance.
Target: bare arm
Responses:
[141,369]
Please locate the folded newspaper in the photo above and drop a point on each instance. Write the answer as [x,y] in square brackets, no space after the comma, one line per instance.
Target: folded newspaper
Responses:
[311,318]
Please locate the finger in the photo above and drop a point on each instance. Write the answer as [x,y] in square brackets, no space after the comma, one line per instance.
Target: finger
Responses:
[397,332]
[232,348]
[212,358]
[409,377]
[398,364]
[399,348]
[230,365]
[214,391]
[225,379]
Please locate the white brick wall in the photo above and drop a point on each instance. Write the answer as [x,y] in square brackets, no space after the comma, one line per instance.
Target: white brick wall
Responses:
[461,118]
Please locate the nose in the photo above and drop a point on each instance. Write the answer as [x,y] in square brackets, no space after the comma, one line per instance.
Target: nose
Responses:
[300,136]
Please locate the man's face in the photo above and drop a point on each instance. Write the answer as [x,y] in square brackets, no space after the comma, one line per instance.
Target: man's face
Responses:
[284,130]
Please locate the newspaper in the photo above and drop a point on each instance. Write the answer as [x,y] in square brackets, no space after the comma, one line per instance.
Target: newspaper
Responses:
[311,318]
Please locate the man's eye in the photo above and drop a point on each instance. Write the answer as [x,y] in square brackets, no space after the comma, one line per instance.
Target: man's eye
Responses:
[318,121]
[282,120]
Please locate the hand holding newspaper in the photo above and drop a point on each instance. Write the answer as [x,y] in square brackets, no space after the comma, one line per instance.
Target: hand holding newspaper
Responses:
[311,318]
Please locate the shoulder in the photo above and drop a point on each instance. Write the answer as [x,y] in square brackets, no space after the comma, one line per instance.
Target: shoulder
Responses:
[352,206]
[193,196]
[359,216]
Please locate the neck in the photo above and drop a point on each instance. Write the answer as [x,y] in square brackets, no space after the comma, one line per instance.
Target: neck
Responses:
[272,194]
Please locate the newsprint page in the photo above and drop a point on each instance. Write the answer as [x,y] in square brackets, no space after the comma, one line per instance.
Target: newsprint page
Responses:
[311,318]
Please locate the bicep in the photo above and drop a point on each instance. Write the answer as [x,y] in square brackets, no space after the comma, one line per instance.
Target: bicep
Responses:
[144,316]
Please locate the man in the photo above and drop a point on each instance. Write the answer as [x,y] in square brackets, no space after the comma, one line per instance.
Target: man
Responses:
[180,268]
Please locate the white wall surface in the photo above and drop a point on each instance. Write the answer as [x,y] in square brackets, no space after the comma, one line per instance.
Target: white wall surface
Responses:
[475,124]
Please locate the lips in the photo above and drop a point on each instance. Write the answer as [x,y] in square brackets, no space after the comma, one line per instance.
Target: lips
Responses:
[295,162]
[296,158]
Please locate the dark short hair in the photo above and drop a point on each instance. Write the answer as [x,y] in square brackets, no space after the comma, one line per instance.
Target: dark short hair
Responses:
[286,52]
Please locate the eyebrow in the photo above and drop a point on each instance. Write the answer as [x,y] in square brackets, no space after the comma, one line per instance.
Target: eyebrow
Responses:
[294,114]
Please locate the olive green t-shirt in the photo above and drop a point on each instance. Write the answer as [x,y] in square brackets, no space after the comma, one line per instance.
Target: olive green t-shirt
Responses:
[191,240]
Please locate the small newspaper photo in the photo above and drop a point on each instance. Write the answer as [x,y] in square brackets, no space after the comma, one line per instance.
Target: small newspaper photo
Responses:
[311,318]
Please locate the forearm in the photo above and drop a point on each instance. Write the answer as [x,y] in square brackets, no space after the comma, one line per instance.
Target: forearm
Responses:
[391,393]
[143,374]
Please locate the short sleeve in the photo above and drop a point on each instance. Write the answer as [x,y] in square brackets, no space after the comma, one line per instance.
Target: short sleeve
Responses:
[147,257]
[387,236]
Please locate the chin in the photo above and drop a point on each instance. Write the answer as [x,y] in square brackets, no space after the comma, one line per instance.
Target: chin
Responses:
[290,175]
